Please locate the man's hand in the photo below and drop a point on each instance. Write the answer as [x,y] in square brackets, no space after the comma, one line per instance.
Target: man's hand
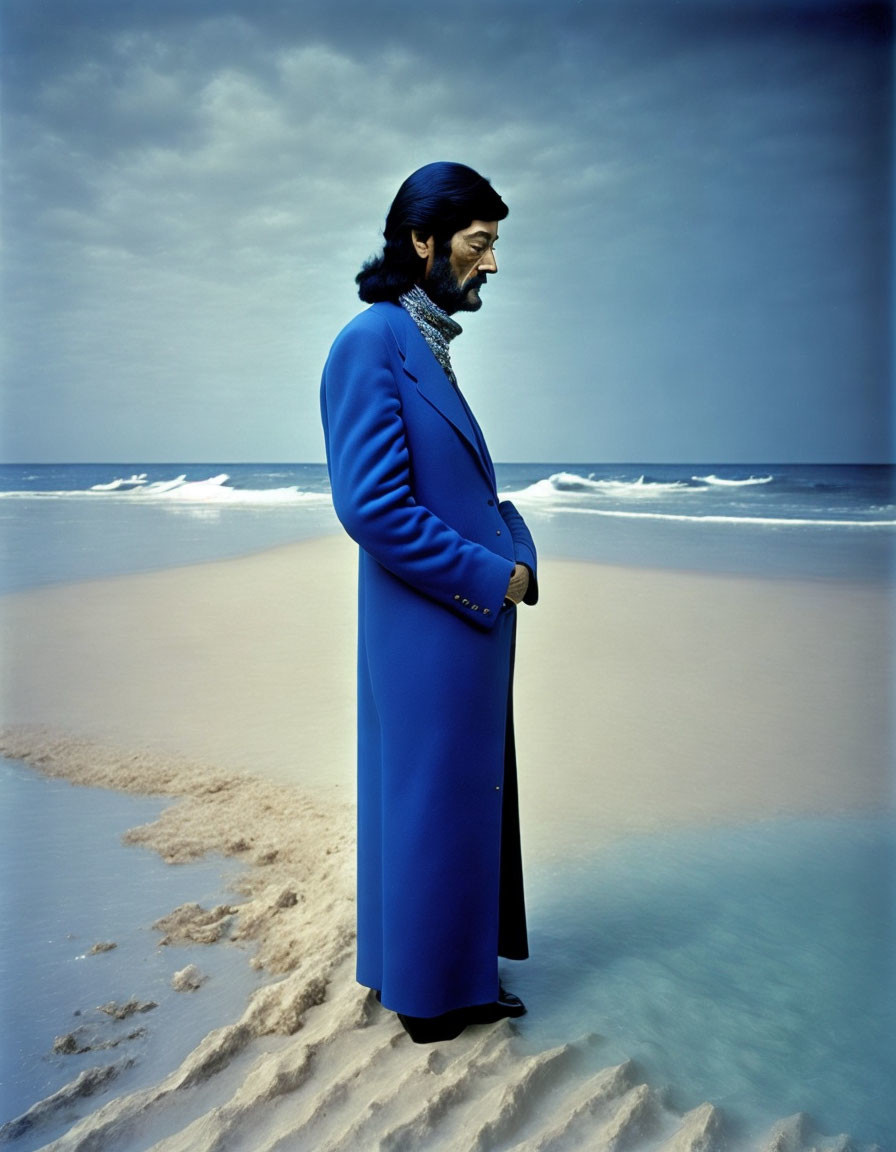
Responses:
[519,582]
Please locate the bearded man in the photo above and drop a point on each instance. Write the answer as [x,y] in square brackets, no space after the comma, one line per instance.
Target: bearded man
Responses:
[444,562]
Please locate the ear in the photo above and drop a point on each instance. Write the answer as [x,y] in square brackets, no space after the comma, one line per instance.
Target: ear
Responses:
[425,249]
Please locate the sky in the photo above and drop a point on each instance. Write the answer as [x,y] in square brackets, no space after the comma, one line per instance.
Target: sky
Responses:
[696,266]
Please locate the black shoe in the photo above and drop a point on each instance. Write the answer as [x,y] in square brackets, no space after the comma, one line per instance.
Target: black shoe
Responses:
[514,1002]
[506,1006]
[432,1029]
[448,1026]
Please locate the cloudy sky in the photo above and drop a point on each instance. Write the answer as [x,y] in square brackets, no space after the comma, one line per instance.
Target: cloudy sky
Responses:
[695,266]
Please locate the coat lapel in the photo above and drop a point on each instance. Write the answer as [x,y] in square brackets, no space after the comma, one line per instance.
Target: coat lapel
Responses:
[435,387]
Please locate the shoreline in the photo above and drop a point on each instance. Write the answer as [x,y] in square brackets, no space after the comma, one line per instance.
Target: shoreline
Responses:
[298,911]
[296,908]
[312,1060]
[229,686]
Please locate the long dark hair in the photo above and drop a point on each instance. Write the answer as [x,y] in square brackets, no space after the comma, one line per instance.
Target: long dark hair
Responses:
[436,200]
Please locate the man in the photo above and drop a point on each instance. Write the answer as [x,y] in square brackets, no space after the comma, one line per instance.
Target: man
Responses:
[443,565]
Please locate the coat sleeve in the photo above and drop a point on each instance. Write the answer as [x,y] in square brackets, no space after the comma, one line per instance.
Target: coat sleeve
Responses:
[370,477]
[523,546]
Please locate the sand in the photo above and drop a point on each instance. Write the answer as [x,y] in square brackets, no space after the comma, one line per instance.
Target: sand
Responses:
[644,700]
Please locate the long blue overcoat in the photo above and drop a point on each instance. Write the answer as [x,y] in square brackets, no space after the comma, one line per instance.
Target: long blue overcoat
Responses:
[439,875]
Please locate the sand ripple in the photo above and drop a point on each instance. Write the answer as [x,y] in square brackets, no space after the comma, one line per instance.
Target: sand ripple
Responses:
[314,1062]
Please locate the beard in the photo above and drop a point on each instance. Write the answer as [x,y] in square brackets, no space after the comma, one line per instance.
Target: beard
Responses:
[442,287]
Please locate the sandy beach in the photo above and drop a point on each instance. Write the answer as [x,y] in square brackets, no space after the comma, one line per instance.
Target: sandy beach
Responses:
[645,700]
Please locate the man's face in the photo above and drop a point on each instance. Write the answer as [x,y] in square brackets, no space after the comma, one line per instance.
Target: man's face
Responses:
[454,277]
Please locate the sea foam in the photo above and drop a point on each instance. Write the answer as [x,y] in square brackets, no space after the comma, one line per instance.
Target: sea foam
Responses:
[756,521]
[709,499]
[212,490]
[724,482]
[571,483]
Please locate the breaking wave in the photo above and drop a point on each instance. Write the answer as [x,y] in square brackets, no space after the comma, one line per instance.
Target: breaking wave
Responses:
[723,482]
[213,490]
[570,482]
[710,499]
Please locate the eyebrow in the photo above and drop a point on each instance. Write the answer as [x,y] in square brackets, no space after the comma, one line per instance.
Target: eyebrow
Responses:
[484,235]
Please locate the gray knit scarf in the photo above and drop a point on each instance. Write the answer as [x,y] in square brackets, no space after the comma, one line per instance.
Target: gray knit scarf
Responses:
[436,327]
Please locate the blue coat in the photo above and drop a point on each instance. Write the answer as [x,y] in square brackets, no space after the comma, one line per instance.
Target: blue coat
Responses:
[439,873]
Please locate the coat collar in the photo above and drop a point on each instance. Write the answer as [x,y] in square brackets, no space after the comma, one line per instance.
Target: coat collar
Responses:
[434,386]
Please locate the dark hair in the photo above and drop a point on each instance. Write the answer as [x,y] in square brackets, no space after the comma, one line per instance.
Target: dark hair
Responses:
[436,200]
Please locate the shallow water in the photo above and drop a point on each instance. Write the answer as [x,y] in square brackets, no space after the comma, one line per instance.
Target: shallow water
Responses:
[750,966]
[807,521]
[66,883]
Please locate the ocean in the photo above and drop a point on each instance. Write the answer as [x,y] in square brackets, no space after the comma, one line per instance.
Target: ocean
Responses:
[751,966]
[62,522]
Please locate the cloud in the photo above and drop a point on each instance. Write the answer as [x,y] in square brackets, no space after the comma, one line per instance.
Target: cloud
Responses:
[190,188]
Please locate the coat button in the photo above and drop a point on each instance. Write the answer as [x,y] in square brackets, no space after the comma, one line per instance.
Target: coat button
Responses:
[497,531]
[457,597]
[475,607]
[466,603]
[486,611]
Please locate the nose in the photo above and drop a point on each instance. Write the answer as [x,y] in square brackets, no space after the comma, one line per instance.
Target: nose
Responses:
[488,263]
